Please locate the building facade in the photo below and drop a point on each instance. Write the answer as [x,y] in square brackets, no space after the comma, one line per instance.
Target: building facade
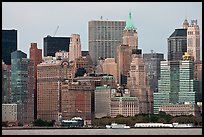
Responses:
[22,85]
[10,113]
[104,37]
[36,56]
[193,40]
[152,65]
[9,44]
[55,44]
[5,83]
[50,76]
[102,99]
[74,47]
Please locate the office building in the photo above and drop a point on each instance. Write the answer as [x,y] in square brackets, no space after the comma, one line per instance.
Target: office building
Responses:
[152,65]
[55,44]
[22,85]
[193,40]
[10,113]
[9,44]
[5,83]
[104,37]
[74,47]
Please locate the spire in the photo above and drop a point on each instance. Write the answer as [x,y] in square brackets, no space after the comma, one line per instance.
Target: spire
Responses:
[129,24]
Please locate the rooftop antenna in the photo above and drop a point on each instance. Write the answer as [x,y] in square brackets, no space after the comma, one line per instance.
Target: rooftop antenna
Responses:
[56,30]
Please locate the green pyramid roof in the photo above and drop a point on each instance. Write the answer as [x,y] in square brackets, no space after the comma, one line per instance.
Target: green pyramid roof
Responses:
[129,24]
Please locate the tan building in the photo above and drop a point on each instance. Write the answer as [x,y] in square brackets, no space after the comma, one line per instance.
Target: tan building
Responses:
[126,106]
[102,99]
[181,109]
[77,100]
[74,47]
[50,76]
[62,55]
[137,84]
[10,113]
[193,40]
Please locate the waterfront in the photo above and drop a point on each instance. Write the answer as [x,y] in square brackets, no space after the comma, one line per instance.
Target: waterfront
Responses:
[132,131]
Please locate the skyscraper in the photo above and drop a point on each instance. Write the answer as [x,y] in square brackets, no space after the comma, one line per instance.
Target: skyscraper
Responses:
[104,37]
[193,40]
[177,44]
[74,47]
[9,44]
[22,85]
[152,65]
[54,44]
[36,56]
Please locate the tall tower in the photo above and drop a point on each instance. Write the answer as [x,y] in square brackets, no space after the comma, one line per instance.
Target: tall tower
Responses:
[74,47]
[193,40]
[130,36]
[36,56]
[104,37]
[9,44]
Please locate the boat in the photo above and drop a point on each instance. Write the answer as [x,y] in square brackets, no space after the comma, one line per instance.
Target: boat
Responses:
[116,126]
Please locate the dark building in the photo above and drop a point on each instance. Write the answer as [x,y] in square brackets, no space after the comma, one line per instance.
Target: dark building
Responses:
[152,65]
[9,44]
[177,44]
[54,44]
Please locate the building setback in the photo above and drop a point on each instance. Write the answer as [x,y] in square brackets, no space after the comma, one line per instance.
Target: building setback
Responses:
[104,37]
[9,44]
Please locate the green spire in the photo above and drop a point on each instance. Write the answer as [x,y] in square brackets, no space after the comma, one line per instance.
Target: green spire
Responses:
[129,24]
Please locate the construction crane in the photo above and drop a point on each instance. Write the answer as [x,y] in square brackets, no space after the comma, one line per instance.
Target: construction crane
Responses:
[56,30]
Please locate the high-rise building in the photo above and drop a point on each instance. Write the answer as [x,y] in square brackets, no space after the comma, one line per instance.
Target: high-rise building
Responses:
[22,85]
[9,44]
[5,83]
[102,101]
[177,84]
[74,47]
[50,75]
[193,40]
[177,44]
[137,83]
[55,44]
[152,65]
[36,56]
[124,51]
[104,37]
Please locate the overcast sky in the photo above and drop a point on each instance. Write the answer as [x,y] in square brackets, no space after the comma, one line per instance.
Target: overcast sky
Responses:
[155,21]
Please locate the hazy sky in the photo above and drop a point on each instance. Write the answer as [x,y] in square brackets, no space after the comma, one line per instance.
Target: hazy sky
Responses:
[155,21]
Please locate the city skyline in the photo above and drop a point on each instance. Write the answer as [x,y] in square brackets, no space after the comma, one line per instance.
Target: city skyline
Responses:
[38,22]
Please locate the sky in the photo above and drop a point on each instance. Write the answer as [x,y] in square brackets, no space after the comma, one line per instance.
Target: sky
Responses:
[155,21]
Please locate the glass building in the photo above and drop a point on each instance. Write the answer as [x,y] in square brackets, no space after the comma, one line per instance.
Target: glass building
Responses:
[9,44]
[22,85]
[55,44]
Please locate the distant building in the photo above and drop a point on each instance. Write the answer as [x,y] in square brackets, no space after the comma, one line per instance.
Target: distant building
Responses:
[181,109]
[77,99]
[126,106]
[177,84]
[137,83]
[74,47]
[36,56]
[193,40]
[22,85]
[10,113]
[62,55]
[152,65]
[104,37]
[5,83]
[55,44]
[9,44]
[102,101]
[50,75]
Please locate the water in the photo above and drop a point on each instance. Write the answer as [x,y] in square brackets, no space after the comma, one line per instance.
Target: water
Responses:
[132,131]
